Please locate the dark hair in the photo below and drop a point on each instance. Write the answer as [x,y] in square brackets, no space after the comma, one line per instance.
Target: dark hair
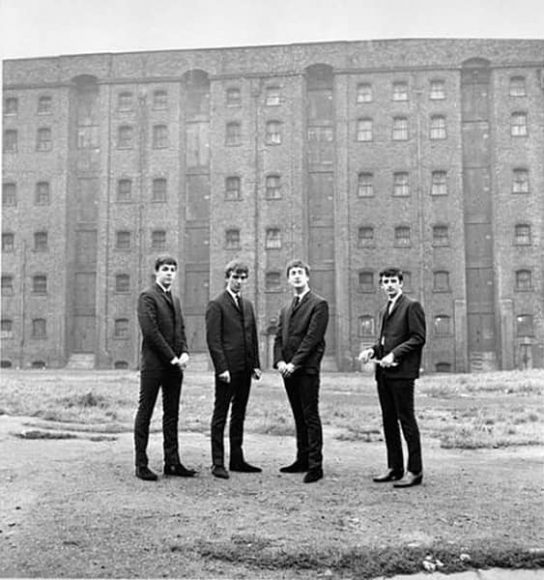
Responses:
[297,264]
[165,259]
[392,272]
[236,266]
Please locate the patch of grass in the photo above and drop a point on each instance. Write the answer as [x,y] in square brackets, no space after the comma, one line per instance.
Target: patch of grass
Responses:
[367,562]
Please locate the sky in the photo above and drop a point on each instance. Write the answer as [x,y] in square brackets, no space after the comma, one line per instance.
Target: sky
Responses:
[32,28]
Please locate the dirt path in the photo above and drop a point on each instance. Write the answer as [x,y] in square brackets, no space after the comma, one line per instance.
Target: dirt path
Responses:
[73,508]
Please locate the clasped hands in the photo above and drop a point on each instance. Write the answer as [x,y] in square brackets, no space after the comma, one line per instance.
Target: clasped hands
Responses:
[386,362]
[180,361]
[286,369]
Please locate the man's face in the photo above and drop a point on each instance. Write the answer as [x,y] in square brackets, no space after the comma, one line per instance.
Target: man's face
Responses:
[236,281]
[298,279]
[166,274]
[391,285]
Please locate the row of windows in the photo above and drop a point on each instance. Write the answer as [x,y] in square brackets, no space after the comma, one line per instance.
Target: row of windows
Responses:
[443,325]
[273,238]
[126,135]
[126,100]
[367,282]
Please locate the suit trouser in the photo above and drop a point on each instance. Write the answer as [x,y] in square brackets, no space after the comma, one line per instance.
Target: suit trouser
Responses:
[397,404]
[303,394]
[150,383]
[235,395]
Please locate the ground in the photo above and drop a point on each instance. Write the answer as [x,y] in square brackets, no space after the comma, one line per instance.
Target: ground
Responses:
[73,508]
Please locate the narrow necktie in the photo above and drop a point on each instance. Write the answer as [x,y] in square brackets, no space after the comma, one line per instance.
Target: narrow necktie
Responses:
[295,303]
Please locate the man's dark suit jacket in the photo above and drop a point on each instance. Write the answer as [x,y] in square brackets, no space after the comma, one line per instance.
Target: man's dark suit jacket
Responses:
[300,338]
[163,329]
[404,335]
[231,337]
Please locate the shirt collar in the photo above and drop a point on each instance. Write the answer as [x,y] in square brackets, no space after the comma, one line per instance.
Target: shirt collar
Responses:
[301,296]
[235,296]
[165,290]
[394,300]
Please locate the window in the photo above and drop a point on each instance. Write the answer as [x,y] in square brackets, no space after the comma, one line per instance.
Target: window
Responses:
[518,124]
[124,190]
[11,106]
[8,242]
[160,137]
[366,326]
[401,184]
[443,367]
[273,187]
[120,328]
[442,325]
[42,193]
[320,134]
[522,234]
[366,281]
[6,329]
[39,328]
[45,104]
[438,127]
[524,280]
[43,139]
[402,236]
[524,325]
[234,97]
[159,189]
[10,141]
[438,89]
[88,137]
[439,183]
[232,188]
[273,239]
[122,240]
[365,237]
[160,100]
[273,133]
[41,243]
[441,235]
[517,87]
[122,283]
[5,364]
[407,281]
[441,281]
[400,129]
[158,240]
[9,194]
[364,130]
[39,284]
[120,365]
[233,134]
[7,285]
[400,91]
[125,136]
[232,239]
[365,184]
[520,181]
[272,282]
[125,101]
[273,96]
[364,93]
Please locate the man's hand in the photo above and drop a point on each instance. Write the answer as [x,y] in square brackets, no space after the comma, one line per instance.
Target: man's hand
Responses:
[388,361]
[366,355]
[224,377]
[281,366]
[257,374]
[288,370]
[183,360]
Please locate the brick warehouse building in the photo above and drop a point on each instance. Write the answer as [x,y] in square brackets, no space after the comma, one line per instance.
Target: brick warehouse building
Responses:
[428,154]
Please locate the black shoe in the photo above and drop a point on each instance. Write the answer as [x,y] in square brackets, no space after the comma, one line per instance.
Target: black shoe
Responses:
[390,475]
[296,467]
[313,475]
[244,468]
[179,470]
[220,471]
[143,472]
[409,480]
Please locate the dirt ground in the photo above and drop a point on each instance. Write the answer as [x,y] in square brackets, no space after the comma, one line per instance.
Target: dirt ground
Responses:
[73,508]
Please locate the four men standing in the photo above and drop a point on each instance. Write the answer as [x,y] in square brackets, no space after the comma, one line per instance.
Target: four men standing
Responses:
[299,346]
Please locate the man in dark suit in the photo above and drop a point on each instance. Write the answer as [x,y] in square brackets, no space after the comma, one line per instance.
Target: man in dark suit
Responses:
[163,359]
[299,347]
[397,354]
[231,334]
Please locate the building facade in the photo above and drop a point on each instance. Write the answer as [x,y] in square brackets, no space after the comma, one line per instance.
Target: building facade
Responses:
[427,154]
